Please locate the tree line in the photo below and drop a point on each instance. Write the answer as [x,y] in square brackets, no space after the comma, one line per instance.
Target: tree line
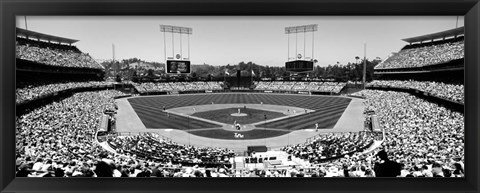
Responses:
[351,71]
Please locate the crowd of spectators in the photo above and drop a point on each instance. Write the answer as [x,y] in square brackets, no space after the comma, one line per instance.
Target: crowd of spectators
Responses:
[425,55]
[454,92]
[334,87]
[150,147]
[425,138]
[262,85]
[300,86]
[313,85]
[330,146]
[152,87]
[61,133]
[422,139]
[57,140]
[31,91]
[177,86]
[105,164]
[215,85]
[53,54]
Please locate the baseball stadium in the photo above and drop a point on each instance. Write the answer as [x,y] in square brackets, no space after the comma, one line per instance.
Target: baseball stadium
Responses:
[80,117]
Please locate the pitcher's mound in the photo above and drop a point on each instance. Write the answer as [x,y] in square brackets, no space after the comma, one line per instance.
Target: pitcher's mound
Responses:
[239,114]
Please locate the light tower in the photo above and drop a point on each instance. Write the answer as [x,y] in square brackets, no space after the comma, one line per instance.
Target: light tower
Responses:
[176,63]
[300,63]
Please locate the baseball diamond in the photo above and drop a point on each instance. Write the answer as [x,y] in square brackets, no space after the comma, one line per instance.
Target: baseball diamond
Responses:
[186,117]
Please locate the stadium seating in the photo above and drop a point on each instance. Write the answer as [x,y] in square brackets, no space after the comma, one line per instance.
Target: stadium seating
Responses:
[177,86]
[328,146]
[334,87]
[425,55]
[454,92]
[151,147]
[31,91]
[53,54]
[418,133]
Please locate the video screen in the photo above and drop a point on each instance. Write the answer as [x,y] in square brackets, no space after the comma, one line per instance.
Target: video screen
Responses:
[299,66]
[178,67]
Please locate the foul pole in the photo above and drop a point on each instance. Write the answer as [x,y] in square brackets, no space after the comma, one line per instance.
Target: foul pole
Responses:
[364,64]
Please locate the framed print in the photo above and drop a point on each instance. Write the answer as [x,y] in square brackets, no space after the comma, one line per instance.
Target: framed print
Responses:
[254,96]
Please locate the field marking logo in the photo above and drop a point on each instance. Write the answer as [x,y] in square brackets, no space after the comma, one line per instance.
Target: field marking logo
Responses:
[238,136]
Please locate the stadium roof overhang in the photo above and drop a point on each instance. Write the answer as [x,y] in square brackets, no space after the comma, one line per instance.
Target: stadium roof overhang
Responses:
[41,36]
[439,35]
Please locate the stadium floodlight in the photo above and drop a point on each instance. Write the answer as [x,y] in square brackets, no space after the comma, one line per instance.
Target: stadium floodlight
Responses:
[175,29]
[301,63]
[301,29]
[181,64]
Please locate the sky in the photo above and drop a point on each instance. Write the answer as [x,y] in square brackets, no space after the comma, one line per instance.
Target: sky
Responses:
[220,40]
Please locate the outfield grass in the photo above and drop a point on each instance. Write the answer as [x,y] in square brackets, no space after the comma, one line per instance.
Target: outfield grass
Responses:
[253,115]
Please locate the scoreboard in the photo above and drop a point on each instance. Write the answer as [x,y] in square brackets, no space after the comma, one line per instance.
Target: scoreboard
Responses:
[299,66]
[178,67]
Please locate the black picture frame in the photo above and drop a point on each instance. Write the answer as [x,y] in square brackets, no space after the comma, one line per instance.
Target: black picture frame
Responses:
[9,9]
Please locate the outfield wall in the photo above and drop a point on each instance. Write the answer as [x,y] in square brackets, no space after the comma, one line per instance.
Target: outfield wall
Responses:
[303,92]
